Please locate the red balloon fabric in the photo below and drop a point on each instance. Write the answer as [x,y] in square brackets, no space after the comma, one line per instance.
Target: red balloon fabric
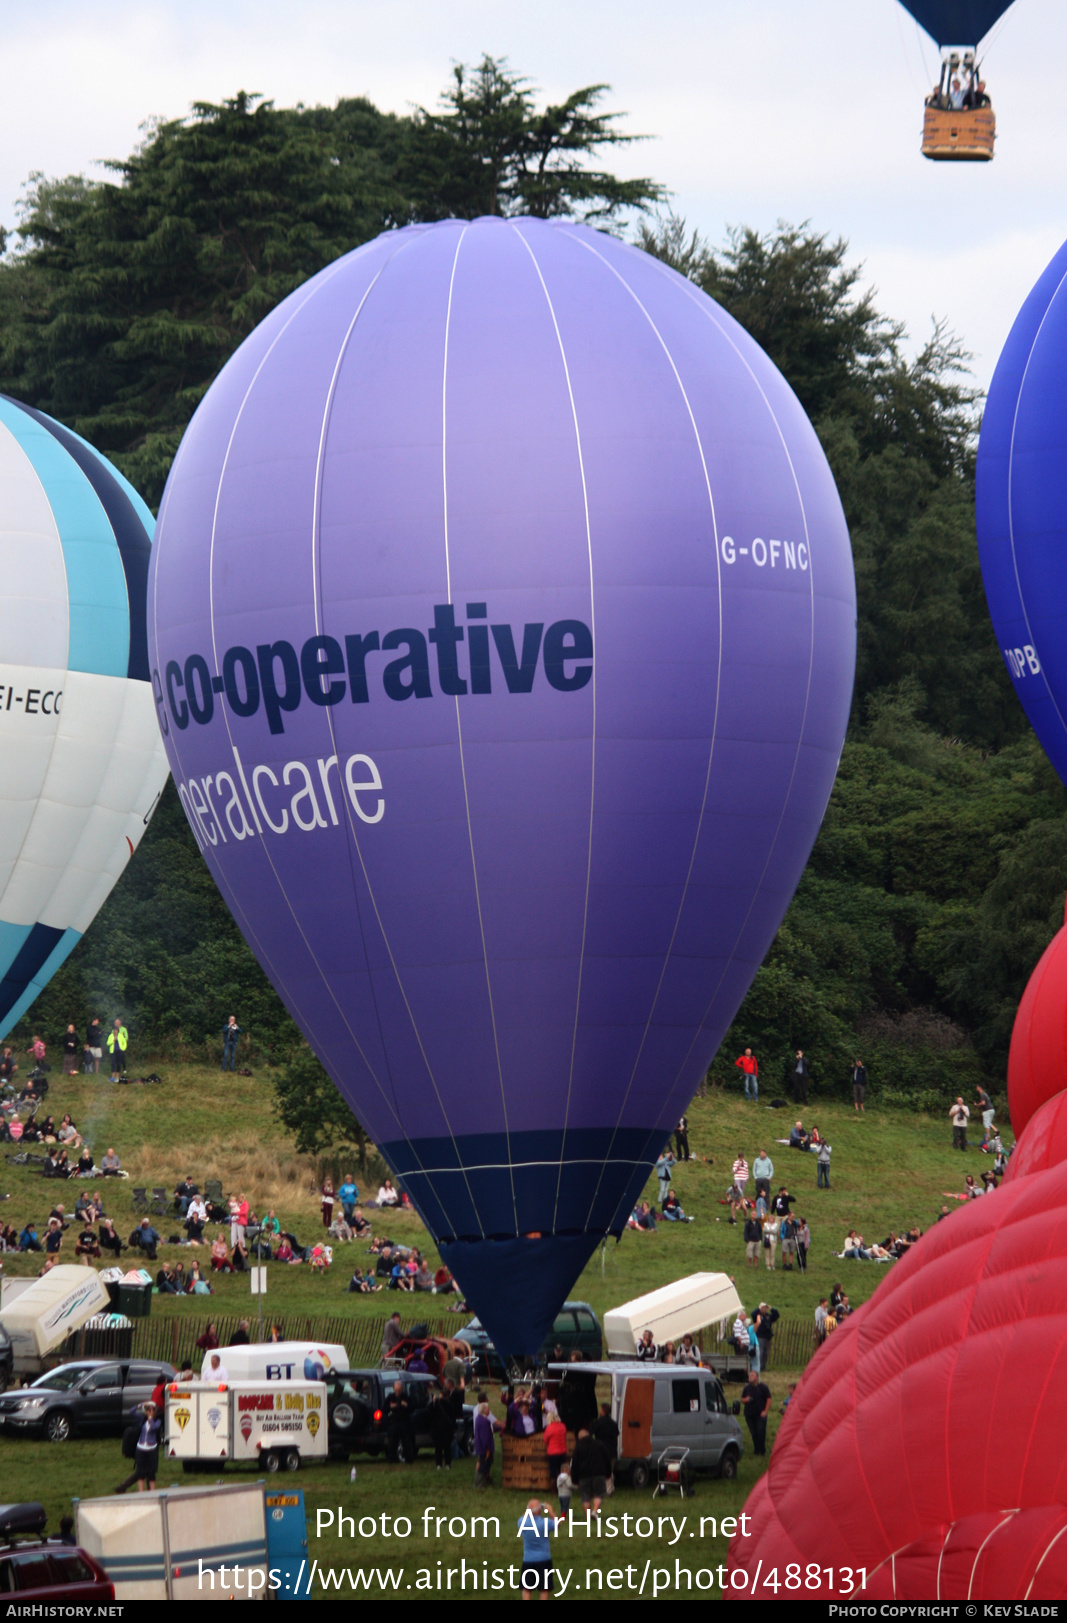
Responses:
[1016,1553]
[943,1399]
[1037,1061]
[1043,1144]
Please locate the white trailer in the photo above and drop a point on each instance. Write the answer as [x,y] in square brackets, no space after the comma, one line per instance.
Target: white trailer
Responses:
[671,1312]
[42,1317]
[179,1543]
[276,1425]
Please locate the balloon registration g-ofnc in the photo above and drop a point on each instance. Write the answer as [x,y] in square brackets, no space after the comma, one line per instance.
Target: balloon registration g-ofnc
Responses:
[502,628]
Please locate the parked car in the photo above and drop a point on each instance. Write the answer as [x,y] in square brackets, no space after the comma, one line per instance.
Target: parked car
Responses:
[355,1408]
[576,1329]
[92,1397]
[39,1571]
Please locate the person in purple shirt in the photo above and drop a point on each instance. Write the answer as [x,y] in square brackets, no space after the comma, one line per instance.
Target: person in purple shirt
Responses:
[485,1429]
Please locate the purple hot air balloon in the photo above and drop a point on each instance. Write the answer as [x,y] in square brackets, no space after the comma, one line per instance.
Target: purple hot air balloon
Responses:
[502,629]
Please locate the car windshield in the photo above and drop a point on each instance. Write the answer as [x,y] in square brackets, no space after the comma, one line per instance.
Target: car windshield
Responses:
[61,1380]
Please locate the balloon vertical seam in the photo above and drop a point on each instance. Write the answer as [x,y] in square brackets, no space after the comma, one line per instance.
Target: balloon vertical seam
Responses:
[592,760]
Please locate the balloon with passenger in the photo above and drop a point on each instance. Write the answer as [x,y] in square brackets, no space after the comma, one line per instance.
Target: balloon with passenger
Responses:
[503,634]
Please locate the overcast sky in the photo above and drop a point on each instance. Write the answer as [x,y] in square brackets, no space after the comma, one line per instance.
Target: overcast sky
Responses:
[774,109]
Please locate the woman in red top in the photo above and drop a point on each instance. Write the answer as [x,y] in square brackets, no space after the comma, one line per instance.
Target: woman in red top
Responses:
[555,1441]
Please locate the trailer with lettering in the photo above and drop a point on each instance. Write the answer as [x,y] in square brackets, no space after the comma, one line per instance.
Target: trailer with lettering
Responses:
[275,1426]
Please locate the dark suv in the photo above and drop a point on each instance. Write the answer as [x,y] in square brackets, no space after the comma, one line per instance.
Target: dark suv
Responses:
[355,1406]
[576,1329]
[93,1396]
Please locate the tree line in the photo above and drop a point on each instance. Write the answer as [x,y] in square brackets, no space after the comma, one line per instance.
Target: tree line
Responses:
[935,882]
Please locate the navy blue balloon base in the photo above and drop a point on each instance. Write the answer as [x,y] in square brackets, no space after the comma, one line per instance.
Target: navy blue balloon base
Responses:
[517,1216]
[517,1287]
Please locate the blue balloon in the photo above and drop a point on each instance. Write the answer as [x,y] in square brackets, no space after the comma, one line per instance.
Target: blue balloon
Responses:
[956,22]
[1021,508]
[502,627]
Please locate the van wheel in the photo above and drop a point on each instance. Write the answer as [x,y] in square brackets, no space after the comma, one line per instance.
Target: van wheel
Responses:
[292,1460]
[271,1462]
[728,1466]
[639,1475]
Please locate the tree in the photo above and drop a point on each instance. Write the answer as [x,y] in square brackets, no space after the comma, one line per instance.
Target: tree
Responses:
[309,1105]
[489,151]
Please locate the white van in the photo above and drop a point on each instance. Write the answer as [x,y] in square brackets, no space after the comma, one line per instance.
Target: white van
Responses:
[280,1360]
[658,1406]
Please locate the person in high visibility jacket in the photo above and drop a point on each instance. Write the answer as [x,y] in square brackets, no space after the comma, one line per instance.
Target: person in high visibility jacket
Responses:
[118,1040]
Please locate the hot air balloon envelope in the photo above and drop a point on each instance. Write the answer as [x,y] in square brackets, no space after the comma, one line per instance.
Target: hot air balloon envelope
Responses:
[502,626]
[83,762]
[956,22]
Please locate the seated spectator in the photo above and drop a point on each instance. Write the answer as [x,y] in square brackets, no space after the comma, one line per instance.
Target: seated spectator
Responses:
[646,1218]
[814,1139]
[971,1189]
[63,1166]
[386,1262]
[798,1138]
[84,1168]
[87,1244]
[51,1165]
[270,1226]
[68,1134]
[401,1279]
[220,1260]
[196,1217]
[423,1279]
[59,1212]
[109,1240]
[83,1206]
[165,1281]
[364,1283]
[443,1281]
[110,1165]
[31,1133]
[28,1240]
[184,1193]
[284,1252]
[53,1237]
[195,1283]
[145,1238]
[321,1257]
[9,1239]
[48,1130]
[178,1275]
[340,1231]
[387,1195]
[672,1209]
[358,1224]
[238,1257]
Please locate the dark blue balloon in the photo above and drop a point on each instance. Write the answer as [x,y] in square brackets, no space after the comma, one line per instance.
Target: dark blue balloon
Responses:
[1021,501]
[956,22]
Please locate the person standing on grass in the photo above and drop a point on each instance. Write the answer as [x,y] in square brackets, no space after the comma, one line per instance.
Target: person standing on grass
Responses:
[327,1203]
[71,1046]
[536,1526]
[753,1240]
[800,1079]
[118,1041]
[756,1398]
[94,1045]
[803,1238]
[959,1116]
[231,1032]
[750,1069]
[822,1175]
[859,1085]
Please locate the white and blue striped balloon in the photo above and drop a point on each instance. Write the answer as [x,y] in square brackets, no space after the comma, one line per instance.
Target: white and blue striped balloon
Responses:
[82,761]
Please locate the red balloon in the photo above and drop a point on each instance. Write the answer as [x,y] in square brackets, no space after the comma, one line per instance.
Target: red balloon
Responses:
[1037,1061]
[1000,1552]
[1043,1144]
[942,1399]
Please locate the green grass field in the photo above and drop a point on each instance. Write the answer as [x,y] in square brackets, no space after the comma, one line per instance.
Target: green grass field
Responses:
[889,1172]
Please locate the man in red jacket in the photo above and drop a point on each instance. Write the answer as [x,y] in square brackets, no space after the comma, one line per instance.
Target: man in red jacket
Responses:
[750,1066]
